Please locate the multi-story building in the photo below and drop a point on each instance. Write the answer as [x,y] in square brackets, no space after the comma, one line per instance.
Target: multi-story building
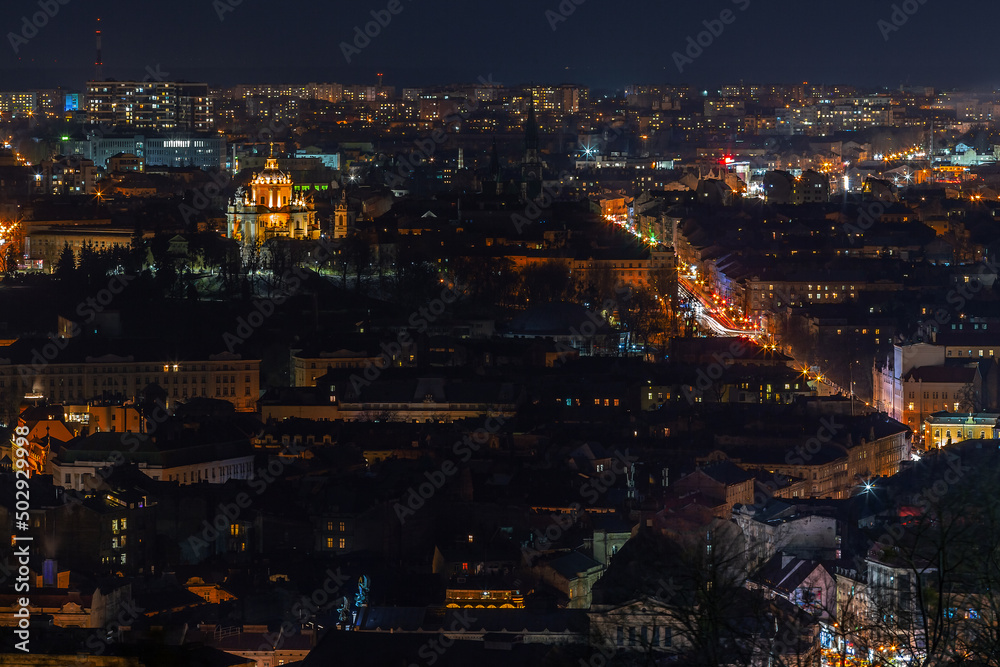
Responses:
[418,401]
[971,345]
[895,588]
[62,175]
[75,372]
[363,93]
[126,162]
[634,271]
[887,378]
[805,531]
[931,389]
[335,533]
[18,104]
[944,428]
[278,109]
[807,584]
[558,101]
[428,400]
[306,368]
[724,107]
[50,103]
[44,245]
[844,453]
[812,187]
[159,106]
[822,287]
[328,92]
[853,114]
[722,482]
[189,461]
[206,151]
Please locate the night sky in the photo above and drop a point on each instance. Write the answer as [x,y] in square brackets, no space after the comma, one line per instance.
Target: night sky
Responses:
[945,43]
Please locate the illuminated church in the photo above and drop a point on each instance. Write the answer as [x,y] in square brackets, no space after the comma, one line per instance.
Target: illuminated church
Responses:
[271,209]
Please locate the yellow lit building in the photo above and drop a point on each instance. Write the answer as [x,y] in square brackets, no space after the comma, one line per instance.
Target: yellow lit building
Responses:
[478,598]
[271,209]
[944,428]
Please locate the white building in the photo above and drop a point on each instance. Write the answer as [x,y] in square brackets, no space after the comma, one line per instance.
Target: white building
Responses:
[79,463]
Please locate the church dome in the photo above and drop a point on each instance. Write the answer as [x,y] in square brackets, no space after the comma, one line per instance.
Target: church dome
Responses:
[272,175]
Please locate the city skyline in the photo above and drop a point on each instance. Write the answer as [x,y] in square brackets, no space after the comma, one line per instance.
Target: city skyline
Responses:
[559,333]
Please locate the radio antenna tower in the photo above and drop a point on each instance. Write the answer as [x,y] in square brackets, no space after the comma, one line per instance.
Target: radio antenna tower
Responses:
[99,63]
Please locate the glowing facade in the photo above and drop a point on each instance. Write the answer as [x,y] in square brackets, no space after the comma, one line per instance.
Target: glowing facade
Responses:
[271,209]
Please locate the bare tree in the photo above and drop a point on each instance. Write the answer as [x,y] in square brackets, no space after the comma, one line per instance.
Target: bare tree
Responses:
[969,399]
[932,580]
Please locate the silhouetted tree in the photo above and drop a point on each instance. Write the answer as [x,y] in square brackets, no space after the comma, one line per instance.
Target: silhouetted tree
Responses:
[66,266]
[546,282]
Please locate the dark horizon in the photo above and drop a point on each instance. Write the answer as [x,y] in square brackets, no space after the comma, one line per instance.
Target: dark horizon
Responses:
[784,42]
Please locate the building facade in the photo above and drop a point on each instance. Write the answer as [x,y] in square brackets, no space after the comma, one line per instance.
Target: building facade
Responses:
[271,209]
[205,151]
[224,376]
[942,429]
[44,245]
[71,175]
[160,106]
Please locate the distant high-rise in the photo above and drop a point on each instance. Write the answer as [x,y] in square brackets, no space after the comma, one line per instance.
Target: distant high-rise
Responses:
[556,101]
[17,104]
[160,106]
